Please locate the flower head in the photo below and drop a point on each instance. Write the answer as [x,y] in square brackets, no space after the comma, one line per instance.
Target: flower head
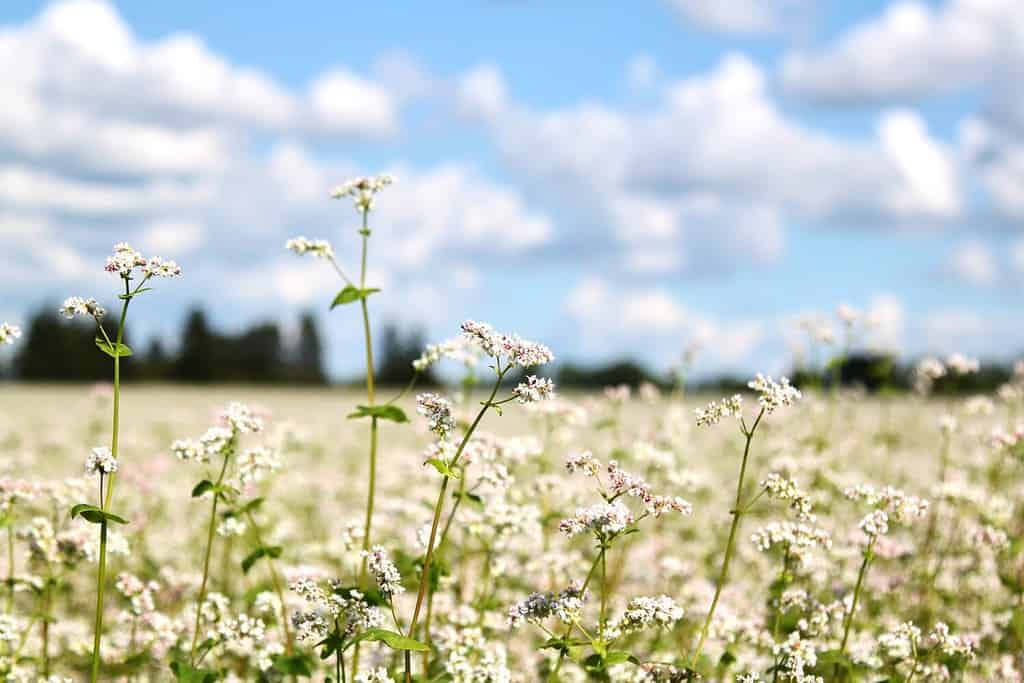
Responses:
[714,412]
[438,411]
[534,389]
[362,190]
[384,571]
[76,305]
[774,394]
[9,333]
[100,461]
[509,347]
[318,248]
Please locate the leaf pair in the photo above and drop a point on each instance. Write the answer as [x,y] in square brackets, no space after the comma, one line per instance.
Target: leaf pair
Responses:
[351,294]
[95,515]
[382,412]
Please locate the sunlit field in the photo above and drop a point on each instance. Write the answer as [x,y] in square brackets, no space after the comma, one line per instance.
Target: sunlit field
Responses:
[580,538]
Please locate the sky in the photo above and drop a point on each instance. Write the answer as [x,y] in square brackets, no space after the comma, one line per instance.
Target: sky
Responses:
[612,179]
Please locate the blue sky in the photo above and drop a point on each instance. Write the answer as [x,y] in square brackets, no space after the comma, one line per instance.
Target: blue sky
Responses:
[615,181]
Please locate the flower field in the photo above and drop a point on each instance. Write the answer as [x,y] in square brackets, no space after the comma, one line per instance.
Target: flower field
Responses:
[499,530]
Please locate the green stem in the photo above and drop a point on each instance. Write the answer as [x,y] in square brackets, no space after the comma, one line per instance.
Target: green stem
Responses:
[206,558]
[586,584]
[737,514]
[438,507]
[105,502]
[10,563]
[868,554]
[370,398]
[275,583]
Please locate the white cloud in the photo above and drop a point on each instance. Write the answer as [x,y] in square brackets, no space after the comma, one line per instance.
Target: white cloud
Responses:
[972,263]
[911,50]
[344,103]
[481,94]
[929,175]
[612,318]
[739,16]
[172,238]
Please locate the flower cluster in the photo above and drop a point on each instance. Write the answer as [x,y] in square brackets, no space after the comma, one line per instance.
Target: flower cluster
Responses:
[796,539]
[583,462]
[9,333]
[772,394]
[384,571]
[347,607]
[714,412]
[125,260]
[603,519]
[566,606]
[438,411]
[534,389]
[76,305]
[100,461]
[220,440]
[362,190]
[458,349]
[318,248]
[508,347]
[643,613]
[787,490]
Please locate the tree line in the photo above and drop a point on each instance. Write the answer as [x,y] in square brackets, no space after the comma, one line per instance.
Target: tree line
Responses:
[53,349]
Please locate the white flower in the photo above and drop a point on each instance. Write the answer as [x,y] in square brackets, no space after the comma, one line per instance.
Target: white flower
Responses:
[8,333]
[774,394]
[438,411]
[158,267]
[100,461]
[124,260]
[585,462]
[384,571]
[508,347]
[534,389]
[362,190]
[318,248]
[643,613]
[565,606]
[714,412]
[76,305]
[602,518]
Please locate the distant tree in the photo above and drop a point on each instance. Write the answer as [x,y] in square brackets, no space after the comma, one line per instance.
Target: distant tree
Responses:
[197,360]
[397,352]
[257,355]
[308,364]
[61,350]
[620,372]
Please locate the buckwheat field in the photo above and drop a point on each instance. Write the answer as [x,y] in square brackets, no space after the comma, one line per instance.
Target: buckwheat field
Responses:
[500,530]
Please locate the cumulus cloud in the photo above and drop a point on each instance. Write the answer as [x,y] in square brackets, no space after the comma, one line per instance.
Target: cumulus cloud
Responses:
[972,263]
[739,16]
[619,317]
[910,50]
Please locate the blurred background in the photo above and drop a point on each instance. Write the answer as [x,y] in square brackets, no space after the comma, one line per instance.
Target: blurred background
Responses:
[684,187]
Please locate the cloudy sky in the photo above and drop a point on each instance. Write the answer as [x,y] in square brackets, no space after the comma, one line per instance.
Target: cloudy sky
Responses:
[611,181]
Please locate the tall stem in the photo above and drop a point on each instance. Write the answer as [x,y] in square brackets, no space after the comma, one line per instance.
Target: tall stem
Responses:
[438,507]
[868,554]
[101,573]
[275,583]
[568,631]
[370,398]
[737,514]
[206,559]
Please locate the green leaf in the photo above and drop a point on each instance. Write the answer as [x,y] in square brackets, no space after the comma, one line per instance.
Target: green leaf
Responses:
[127,297]
[95,515]
[442,467]
[253,557]
[351,294]
[251,506]
[296,665]
[202,487]
[113,349]
[395,641]
[384,412]
[186,673]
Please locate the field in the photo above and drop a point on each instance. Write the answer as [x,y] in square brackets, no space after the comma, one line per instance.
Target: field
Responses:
[827,579]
